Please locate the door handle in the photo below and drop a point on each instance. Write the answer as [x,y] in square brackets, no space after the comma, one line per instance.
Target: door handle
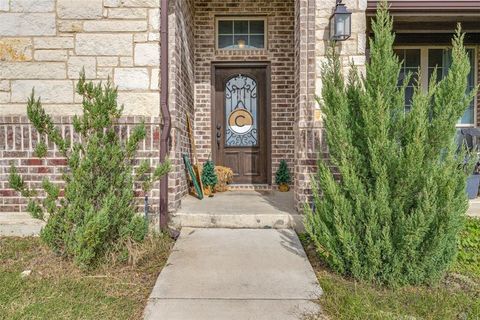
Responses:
[219,134]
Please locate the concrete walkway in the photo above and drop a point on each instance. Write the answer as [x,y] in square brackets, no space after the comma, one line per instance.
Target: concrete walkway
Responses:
[239,274]
[19,224]
[474,208]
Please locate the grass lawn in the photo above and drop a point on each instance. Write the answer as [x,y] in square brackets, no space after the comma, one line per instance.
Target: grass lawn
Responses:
[56,289]
[456,297]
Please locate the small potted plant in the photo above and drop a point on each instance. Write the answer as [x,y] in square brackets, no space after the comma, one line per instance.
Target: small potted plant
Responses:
[282,177]
[209,178]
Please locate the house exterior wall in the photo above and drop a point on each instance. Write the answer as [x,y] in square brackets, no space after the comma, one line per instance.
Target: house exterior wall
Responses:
[279,52]
[45,44]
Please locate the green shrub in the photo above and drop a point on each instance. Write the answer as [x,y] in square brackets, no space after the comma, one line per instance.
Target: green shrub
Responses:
[282,176]
[396,213]
[97,214]
[468,259]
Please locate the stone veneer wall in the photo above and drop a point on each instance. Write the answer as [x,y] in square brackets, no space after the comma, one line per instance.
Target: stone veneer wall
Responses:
[280,52]
[44,44]
[312,35]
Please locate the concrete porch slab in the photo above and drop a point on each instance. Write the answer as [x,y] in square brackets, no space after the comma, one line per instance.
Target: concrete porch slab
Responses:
[474,208]
[239,209]
[235,274]
[19,224]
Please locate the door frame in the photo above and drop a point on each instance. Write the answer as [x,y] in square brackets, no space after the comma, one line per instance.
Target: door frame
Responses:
[268,112]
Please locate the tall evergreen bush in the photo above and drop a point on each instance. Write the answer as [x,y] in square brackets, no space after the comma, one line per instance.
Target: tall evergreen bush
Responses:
[97,213]
[395,215]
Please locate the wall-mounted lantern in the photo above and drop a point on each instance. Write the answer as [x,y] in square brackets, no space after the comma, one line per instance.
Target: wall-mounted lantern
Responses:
[340,23]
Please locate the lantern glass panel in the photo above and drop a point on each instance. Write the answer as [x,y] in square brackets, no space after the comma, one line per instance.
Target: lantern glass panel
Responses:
[340,22]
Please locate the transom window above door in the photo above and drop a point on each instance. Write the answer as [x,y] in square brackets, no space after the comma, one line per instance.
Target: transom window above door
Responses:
[241,33]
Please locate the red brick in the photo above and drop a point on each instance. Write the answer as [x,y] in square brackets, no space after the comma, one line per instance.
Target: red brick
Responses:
[34,162]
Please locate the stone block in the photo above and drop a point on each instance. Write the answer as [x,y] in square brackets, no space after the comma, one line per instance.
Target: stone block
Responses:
[140,37]
[107,61]
[49,91]
[76,64]
[141,3]
[359,22]
[153,36]
[154,79]
[104,73]
[32,70]
[147,54]
[127,13]
[362,5]
[114,26]
[4,97]
[104,44]
[53,43]
[4,5]
[131,78]
[362,43]
[74,9]
[154,19]
[126,61]
[4,85]
[111,3]
[140,103]
[27,24]
[358,60]
[51,55]
[32,5]
[15,49]
[70,26]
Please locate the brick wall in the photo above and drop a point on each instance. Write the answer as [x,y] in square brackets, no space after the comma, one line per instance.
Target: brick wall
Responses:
[181,96]
[312,37]
[44,44]
[18,140]
[280,52]
[306,132]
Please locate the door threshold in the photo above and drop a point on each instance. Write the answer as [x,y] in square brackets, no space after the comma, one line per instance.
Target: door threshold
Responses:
[247,186]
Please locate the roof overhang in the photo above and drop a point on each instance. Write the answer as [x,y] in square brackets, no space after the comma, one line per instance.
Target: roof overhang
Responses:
[428,7]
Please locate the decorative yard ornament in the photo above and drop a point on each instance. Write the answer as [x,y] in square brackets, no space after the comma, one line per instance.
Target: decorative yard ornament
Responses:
[340,23]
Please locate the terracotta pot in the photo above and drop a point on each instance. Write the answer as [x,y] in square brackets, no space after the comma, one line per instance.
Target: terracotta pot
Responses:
[283,187]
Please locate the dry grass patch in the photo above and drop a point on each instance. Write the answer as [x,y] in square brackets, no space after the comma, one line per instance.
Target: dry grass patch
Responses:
[57,289]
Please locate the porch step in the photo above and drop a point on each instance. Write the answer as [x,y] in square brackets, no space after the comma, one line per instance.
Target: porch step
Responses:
[250,187]
[239,209]
[237,221]
[19,224]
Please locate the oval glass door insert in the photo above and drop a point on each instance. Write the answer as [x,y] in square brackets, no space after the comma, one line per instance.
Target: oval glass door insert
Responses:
[241,112]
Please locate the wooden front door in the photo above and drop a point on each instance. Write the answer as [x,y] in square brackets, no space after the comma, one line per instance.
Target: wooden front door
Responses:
[240,125]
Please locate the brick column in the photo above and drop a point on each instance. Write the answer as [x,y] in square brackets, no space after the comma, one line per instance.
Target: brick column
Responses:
[311,41]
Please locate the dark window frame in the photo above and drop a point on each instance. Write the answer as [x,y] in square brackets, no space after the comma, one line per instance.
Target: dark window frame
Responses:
[234,19]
